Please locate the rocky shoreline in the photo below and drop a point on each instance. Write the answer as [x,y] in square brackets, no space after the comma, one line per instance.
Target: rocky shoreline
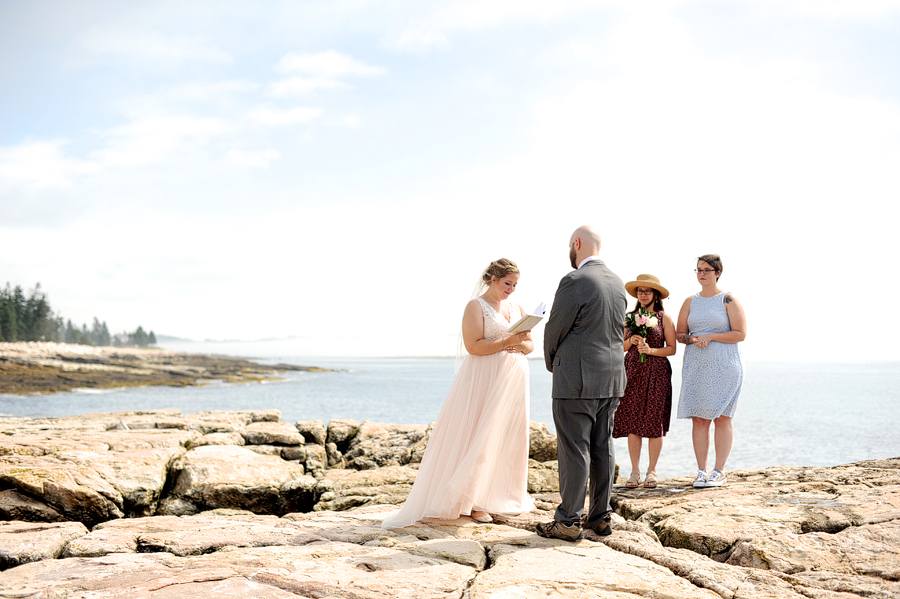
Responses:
[34,368]
[240,504]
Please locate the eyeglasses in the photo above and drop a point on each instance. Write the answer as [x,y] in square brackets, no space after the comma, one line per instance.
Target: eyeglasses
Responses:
[703,271]
[643,291]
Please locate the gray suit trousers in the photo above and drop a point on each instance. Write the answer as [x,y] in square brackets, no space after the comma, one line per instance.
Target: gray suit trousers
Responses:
[585,451]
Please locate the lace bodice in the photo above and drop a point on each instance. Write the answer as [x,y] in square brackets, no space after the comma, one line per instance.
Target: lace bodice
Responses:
[494,324]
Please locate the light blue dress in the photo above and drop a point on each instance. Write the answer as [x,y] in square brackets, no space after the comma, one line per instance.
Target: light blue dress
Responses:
[711,376]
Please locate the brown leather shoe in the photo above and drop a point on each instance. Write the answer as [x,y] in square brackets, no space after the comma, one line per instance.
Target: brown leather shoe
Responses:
[603,528]
[558,530]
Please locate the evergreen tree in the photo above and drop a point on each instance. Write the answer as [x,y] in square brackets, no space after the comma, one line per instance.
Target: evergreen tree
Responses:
[38,319]
[96,332]
[71,333]
[59,329]
[26,318]
[30,318]
[8,322]
[139,337]
[18,300]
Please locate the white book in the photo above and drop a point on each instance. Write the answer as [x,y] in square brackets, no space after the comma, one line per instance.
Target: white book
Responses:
[529,321]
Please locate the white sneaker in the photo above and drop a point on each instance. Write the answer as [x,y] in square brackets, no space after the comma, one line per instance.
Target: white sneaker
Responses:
[700,481]
[716,479]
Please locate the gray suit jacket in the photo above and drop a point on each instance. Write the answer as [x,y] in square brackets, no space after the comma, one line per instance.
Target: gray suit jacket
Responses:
[584,335]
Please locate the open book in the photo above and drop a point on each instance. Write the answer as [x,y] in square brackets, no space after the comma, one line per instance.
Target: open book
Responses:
[529,321]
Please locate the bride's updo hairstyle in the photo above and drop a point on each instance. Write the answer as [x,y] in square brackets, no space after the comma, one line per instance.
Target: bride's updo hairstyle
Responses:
[499,269]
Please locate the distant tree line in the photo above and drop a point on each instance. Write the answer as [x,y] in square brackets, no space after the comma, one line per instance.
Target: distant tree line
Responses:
[30,318]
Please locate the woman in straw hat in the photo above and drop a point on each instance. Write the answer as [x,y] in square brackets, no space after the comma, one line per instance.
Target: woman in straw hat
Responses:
[645,409]
[711,323]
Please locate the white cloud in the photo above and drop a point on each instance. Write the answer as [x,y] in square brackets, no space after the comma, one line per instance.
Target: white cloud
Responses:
[153,48]
[295,86]
[210,91]
[349,120]
[151,140]
[329,64]
[422,34]
[40,164]
[832,9]
[419,38]
[253,159]
[589,53]
[270,115]
[321,70]
[434,31]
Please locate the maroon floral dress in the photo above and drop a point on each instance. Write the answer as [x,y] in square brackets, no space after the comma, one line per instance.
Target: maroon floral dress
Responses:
[646,407]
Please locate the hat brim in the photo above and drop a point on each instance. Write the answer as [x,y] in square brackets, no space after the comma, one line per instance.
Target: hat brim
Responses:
[632,285]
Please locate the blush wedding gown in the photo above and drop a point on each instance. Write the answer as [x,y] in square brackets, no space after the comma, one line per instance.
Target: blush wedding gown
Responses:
[477,456]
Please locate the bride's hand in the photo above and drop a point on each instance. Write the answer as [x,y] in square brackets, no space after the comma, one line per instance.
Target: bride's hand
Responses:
[514,341]
[519,337]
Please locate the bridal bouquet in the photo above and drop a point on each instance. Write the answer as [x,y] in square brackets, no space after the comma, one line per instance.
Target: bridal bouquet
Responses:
[640,322]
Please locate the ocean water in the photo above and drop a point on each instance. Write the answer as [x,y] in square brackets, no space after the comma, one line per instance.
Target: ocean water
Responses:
[802,414]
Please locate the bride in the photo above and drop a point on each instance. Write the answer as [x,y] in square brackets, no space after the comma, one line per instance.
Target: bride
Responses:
[476,460]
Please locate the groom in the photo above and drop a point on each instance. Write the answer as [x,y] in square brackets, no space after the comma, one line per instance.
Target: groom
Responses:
[583,348]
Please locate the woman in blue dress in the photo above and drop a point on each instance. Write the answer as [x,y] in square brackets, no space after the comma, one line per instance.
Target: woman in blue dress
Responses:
[711,323]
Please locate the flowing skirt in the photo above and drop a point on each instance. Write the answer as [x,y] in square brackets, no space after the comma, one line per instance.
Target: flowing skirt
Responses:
[477,455]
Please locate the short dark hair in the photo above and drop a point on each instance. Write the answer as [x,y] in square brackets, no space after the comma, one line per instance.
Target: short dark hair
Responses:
[713,260]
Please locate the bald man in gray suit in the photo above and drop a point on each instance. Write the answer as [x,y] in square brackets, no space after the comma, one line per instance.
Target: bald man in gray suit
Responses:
[583,348]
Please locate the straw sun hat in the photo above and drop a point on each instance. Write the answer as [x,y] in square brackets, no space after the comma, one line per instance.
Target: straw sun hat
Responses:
[646,281]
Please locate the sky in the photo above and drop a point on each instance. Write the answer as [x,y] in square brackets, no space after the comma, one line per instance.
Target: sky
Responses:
[335,175]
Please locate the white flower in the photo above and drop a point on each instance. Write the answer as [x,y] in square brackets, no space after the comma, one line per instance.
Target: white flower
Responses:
[652,322]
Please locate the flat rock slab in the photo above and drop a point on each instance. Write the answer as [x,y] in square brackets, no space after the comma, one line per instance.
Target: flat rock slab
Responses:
[23,542]
[98,421]
[768,503]
[348,555]
[272,433]
[360,526]
[232,438]
[868,550]
[322,569]
[190,535]
[729,582]
[467,553]
[586,569]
